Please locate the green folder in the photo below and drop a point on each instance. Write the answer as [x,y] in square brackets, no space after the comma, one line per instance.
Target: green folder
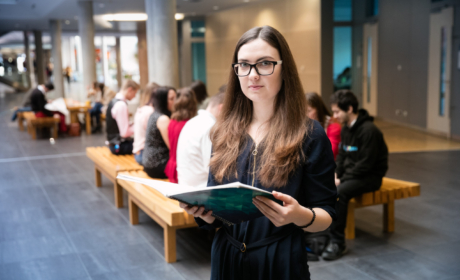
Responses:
[230,203]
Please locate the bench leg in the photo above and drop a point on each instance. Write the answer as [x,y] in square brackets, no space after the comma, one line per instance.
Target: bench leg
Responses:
[389,216]
[350,229]
[170,244]
[88,123]
[118,190]
[21,123]
[133,211]
[33,132]
[98,177]
[55,131]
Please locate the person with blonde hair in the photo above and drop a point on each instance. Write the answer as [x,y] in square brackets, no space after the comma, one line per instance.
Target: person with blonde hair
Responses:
[140,120]
[264,138]
[185,108]
[119,130]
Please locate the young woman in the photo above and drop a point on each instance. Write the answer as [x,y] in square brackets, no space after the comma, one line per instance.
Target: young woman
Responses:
[316,110]
[140,120]
[264,138]
[156,149]
[185,108]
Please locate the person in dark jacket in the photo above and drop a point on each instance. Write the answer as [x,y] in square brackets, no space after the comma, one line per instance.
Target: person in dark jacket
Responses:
[361,163]
[38,101]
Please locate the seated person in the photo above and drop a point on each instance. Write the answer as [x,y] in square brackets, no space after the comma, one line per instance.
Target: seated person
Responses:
[194,146]
[184,109]
[156,149]
[119,131]
[101,96]
[361,163]
[38,101]
[316,110]
[25,107]
[140,120]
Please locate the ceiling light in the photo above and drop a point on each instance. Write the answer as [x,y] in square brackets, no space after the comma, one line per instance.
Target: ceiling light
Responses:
[125,17]
[216,8]
[101,5]
[179,16]
[67,22]
[246,1]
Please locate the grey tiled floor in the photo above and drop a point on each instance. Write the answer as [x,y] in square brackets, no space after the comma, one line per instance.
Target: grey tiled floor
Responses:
[55,224]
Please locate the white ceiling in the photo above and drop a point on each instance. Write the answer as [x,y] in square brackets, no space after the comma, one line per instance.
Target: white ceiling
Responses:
[35,14]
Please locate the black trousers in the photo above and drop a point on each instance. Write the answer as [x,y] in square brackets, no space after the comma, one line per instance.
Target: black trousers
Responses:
[126,148]
[346,191]
[156,172]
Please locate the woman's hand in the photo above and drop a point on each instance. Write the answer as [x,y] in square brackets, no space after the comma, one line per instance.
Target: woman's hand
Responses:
[197,212]
[290,212]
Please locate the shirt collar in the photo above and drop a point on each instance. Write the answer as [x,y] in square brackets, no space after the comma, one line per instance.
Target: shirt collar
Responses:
[41,88]
[120,96]
[206,114]
[353,122]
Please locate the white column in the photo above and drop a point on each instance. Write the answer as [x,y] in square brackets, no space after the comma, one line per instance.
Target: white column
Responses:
[39,59]
[105,61]
[73,58]
[86,31]
[186,54]
[118,59]
[55,26]
[163,61]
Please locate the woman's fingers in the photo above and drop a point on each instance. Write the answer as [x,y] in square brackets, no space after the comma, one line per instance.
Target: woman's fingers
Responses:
[270,203]
[267,211]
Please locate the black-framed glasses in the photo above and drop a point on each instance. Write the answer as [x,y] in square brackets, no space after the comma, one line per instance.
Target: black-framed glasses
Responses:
[263,68]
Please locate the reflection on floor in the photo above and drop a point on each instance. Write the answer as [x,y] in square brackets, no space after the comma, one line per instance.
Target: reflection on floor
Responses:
[55,224]
[403,139]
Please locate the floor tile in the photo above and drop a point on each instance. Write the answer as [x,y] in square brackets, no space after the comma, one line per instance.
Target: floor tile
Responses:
[53,268]
[130,256]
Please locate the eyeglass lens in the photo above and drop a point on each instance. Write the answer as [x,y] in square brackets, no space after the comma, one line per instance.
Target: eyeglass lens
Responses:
[263,68]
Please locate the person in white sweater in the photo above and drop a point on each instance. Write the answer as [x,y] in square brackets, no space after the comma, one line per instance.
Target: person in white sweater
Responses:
[194,146]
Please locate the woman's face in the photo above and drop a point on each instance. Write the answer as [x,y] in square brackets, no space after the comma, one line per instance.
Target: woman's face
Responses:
[312,113]
[171,99]
[260,89]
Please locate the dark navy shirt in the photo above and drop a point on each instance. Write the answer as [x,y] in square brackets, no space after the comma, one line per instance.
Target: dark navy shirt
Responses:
[311,184]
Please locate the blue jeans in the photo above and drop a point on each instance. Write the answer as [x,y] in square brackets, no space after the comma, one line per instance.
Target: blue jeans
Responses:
[138,157]
[23,109]
[96,112]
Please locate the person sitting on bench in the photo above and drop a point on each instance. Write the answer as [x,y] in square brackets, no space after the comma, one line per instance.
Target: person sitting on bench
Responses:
[38,101]
[361,163]
[119,131]
[194,146]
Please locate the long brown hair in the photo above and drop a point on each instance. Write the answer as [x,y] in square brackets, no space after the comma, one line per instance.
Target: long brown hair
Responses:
[282,146]
[148,94]
[185,105]
[315,101]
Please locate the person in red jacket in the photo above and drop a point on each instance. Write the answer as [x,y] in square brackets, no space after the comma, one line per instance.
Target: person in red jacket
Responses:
[316,110]
[185,108]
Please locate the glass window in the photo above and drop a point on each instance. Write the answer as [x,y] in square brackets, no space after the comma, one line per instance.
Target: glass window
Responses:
[442,93]
[342,57]
[199,61]
[198,28]
[342,10]
[372,8]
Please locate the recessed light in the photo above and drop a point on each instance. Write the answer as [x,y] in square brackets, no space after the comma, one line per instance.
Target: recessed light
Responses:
[246,1]
[67,22]
[179,16]
[101,5]
[215,8]
[125,17]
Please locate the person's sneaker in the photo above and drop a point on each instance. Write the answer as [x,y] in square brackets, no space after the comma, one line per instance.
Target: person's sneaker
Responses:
[334,251]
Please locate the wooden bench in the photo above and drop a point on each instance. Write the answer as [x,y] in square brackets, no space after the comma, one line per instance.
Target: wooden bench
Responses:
[390,190]
[110,165]
[33,123]
[21,119]
[166,212]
